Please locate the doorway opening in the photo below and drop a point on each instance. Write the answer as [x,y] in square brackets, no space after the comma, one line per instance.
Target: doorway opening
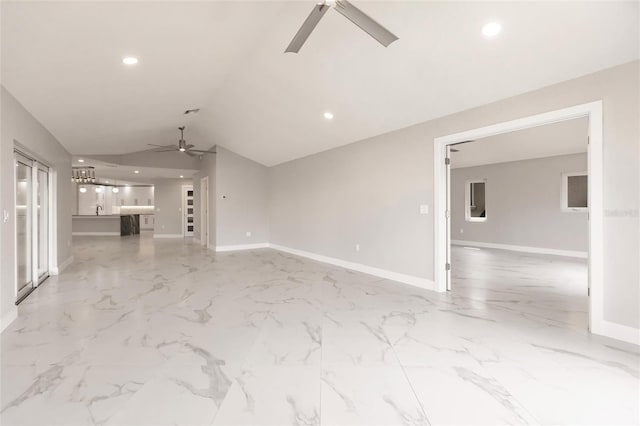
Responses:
[444,249]
[33,224]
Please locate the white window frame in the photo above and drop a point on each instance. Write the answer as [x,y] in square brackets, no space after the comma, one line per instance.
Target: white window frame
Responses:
[467,201]
[564,201]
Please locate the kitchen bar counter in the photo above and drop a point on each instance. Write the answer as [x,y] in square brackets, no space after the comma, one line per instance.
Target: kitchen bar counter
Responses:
[106,225]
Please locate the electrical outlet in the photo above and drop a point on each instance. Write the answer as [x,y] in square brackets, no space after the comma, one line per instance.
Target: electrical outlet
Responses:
[248,233]
[357,247]
[424,209]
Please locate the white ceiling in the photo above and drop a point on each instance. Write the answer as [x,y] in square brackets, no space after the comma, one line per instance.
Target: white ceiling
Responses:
[565,137]
[62,60]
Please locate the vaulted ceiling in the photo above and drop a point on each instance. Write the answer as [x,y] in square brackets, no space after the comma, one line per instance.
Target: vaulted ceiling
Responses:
[62,60]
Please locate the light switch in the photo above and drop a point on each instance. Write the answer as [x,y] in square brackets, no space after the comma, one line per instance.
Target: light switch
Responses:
[424,209]
[5,216]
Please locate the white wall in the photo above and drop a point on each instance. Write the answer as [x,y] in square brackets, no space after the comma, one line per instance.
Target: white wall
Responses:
[168,206]
[523,204]
[242,200]
[19,126]
[369,192]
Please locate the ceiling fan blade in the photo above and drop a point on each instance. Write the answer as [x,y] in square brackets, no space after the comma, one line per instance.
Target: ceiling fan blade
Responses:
[160,146]
[189,146]
[361,19]
[307,27]
[190,153]
[166,150]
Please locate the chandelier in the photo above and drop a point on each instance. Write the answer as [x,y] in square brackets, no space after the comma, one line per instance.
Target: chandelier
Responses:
[83,174]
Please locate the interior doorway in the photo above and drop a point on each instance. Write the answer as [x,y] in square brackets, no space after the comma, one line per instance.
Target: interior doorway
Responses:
[518,222]
[32,213]
[442,156]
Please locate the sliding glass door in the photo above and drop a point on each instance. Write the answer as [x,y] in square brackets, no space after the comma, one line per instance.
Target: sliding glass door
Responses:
[24,225]
[43,222]
[32,224]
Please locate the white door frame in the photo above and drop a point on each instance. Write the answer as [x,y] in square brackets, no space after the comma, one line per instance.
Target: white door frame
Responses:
[593,111]
[204,211]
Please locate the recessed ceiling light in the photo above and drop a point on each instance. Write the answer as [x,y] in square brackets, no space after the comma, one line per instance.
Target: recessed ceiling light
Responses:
[98,189]
[136,171]
[80,160]
[106,181]
[181,176]
[83,189]
[491,29]
[130,60]
[328,115]
[115,189]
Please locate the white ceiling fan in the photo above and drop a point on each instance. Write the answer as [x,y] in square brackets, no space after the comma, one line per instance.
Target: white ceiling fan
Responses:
[182,147]
[349,11]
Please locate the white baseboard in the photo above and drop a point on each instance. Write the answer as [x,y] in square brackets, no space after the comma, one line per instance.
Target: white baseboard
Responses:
[616,331]
[422,283]
[96,234]
[62,266]
[242,247]
[538,250]
[8,318]
[168,236]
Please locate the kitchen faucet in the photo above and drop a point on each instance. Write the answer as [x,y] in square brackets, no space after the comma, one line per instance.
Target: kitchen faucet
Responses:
[98,208]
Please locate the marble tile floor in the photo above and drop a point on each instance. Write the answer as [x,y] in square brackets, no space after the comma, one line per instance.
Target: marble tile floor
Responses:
[161,332]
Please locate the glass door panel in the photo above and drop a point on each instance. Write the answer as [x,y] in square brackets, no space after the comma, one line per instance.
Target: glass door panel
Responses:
[24,226]
[43,223]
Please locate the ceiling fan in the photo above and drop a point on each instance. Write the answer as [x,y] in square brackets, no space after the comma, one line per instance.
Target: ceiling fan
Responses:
[182,147]
[349,11]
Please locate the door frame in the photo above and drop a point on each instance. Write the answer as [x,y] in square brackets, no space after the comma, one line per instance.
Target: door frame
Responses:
[204,212]
[592,110]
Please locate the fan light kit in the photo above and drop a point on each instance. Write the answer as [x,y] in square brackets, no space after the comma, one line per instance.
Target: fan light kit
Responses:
[349,11]
[182,146]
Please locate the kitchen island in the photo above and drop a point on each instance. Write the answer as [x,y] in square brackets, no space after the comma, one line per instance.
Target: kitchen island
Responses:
[105,225]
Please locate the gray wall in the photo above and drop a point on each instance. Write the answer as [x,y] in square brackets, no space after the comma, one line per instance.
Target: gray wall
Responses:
[368,192]
[168,206]
[244,185]
[18,125]
[523,204]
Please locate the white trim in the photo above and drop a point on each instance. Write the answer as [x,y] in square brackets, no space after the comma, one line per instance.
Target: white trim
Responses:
[242,247]
[617,331]
[167,235]
[96,234]
[538,250]
[564,201]
[57,270]
[8,318]
[422,283]
[593,111]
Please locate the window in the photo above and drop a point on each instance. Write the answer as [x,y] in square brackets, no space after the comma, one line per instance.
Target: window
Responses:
[575,192]
[475,201]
